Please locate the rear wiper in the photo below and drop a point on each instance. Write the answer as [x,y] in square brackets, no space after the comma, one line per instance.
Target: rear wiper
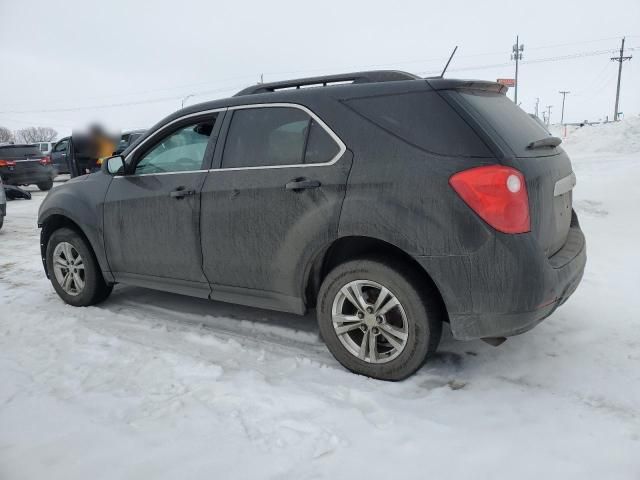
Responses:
[545,142]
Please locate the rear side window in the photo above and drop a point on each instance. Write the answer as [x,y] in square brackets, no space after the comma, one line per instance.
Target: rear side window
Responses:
[321,147]
[424,120]
[276,136]
[509,121]
[20,151]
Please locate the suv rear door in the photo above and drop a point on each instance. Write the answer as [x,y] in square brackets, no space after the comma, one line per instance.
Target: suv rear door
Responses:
[272,204]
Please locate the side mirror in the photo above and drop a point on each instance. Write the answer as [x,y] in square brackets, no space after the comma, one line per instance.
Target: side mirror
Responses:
[114,165]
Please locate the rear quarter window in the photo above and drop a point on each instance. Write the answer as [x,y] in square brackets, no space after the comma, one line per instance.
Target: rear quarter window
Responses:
[423,119]
[509,121]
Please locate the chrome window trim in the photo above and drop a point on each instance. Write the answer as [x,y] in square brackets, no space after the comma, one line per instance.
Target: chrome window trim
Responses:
[332,134]
[159,173]
[564,185]
[155,135]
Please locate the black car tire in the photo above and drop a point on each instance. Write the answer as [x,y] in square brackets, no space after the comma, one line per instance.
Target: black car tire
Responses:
[95,289]
[44,186]
[421,305]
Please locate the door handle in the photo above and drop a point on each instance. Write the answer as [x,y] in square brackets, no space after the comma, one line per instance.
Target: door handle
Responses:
[180,192]
[302,184]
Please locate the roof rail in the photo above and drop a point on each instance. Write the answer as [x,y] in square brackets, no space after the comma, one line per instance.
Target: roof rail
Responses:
[323,81]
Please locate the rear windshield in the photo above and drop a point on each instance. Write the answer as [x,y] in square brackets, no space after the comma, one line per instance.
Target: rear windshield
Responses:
[513,124]
[19,151]
[424,120]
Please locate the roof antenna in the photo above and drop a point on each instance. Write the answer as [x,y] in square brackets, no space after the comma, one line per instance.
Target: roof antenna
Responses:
[448,62]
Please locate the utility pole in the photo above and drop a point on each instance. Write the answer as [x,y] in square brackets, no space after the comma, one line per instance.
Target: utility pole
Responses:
[516,55]
[549,114]
[537,103]
[619,59]
[564,94]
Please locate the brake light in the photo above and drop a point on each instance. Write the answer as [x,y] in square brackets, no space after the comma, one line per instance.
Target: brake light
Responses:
[498,194]
[7,163]
[45,161]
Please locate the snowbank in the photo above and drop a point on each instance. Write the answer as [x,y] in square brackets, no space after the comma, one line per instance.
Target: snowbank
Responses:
[614,137]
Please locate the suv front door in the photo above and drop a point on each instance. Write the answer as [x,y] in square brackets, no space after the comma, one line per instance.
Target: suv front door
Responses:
[152,213]
[272,204]
[59,156]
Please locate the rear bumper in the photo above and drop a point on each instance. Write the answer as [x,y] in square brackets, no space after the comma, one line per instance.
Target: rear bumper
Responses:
[509,286]
[482,325]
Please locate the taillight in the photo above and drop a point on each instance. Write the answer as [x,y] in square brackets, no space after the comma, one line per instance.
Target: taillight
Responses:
[7,163]
[498,194]
[45,161]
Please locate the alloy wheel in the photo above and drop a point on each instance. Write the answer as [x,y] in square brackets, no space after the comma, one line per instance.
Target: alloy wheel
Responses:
[68,268]
[369,321]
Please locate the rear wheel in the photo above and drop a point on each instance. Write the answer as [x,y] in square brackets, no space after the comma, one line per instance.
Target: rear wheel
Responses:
[44,186]
[73,270]
[377,319]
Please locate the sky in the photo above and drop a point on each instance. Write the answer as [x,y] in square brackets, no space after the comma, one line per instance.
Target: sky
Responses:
[127,64]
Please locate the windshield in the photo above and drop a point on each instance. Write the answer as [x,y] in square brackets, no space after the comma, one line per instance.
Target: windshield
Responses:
[19,151]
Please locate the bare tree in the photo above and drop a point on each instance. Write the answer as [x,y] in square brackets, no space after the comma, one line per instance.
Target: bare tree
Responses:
[36,134]
[5,135]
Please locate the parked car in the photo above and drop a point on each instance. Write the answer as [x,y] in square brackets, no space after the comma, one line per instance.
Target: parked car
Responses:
[3,204]
[388,202]
[25,165]
[128,138]
[45,147]
[59,156]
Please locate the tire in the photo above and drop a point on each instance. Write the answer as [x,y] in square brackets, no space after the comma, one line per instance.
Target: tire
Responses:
[44,186]
[91,288]
[418,318]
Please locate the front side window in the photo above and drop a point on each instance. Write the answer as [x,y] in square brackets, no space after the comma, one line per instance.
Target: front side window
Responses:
[183,150]
[61,147]
[276,136]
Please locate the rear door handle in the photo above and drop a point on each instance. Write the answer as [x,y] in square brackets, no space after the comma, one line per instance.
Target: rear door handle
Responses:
[180,192]
[302,184]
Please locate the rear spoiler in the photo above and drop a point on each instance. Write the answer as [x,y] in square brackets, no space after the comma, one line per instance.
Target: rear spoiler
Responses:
[438,83]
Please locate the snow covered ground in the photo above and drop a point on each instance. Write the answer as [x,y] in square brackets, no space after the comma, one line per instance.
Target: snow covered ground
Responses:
[152,385]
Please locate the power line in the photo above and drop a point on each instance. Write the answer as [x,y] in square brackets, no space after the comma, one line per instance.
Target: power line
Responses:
[571,56]
[120,104]
[229,89]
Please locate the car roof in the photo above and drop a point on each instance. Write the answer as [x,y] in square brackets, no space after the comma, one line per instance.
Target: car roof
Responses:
[340,86]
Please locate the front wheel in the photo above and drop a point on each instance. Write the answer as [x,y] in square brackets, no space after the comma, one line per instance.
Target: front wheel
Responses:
[74,271]
[378,319]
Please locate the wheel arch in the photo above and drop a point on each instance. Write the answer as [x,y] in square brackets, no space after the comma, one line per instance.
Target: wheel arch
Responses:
[348,248]
[56,221]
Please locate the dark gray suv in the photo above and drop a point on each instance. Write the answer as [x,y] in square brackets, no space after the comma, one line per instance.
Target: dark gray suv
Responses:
[388,202]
